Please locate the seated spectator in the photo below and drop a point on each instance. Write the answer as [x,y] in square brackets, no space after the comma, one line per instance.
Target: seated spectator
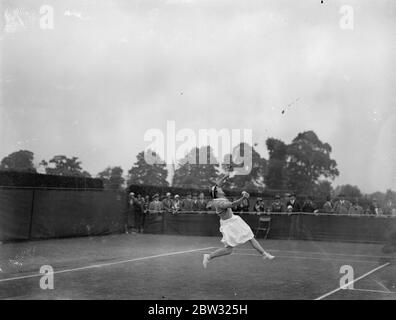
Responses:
[341,206]
[277,205]
[259,205]
[327,206]
[355,208]
[201,202]
[167,203]
[293,205]
[177,204]
[187,204]
[155,205]
[308,206]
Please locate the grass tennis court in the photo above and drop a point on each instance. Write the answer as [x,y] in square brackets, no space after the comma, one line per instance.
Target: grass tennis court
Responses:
[144,266]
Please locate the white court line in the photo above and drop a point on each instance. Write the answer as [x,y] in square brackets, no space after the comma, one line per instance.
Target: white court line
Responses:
[381,285]
[308,258]
[351,282]
[107,264]
[323,253]
[376,291]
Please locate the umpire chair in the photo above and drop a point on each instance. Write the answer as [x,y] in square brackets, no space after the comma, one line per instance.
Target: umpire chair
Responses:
[264,225]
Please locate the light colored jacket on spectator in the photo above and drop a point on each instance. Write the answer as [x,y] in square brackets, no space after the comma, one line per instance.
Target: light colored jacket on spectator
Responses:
[342,207]
[155,206]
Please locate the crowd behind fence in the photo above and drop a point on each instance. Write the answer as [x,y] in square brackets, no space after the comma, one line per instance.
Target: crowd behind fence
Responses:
[289,203]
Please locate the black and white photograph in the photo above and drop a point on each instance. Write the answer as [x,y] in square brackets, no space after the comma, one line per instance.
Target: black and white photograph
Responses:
[197,155]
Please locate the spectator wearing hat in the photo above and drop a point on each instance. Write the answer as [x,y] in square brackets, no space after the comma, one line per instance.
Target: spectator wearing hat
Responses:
[355,208]
[130,214]
[286,199]
[308,206]
[293,205]
[187,204]
[342,206]
[374,208]
[245,205]
[201,204]
[195,202]
[277,205]
[167,203]
[389,208]
[259,205]
[177,204]
[155,205]
[146,204]
[138,205]
[327,206]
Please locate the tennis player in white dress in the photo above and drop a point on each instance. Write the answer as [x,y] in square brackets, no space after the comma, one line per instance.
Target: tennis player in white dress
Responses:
[234,229]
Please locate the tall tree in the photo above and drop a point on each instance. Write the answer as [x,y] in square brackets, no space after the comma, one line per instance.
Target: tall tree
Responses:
[112,178]
[308,160]
[143,172]
[63,166]
[21,160]
[198,169]
[351,192]
[276,171]
[252,181]
[322,189]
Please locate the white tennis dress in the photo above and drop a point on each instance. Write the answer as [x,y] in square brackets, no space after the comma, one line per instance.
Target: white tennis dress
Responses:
[235,230]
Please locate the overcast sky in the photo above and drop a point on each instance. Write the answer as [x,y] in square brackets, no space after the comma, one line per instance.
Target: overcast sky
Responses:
[111,70]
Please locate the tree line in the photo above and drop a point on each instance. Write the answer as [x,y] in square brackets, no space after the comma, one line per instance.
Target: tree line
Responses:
[304,166]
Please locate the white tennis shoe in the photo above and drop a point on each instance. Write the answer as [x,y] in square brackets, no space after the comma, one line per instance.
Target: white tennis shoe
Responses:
[268,256]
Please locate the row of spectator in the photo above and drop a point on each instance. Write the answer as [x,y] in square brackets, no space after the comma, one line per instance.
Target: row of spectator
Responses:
[290,203]
[337,206]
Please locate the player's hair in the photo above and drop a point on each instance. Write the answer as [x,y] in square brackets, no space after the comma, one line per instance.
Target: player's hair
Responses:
[213,191]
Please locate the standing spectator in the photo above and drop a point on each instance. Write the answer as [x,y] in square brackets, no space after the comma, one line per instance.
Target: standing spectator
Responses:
[187,204]
[130,214]
[286,199]
[155,205]
[389,208]
[327,206]
[293,205]
[138,205]
[342,205]
[355,208]
[277,205]
[177,205]
[259,205]
[245,205]
[308,205]
[374,208]
[146,204]
[167,203]
[201,202]
[195,202]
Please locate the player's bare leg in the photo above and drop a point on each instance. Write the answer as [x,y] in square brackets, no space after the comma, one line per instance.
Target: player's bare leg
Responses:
[218,253]
[256,245]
